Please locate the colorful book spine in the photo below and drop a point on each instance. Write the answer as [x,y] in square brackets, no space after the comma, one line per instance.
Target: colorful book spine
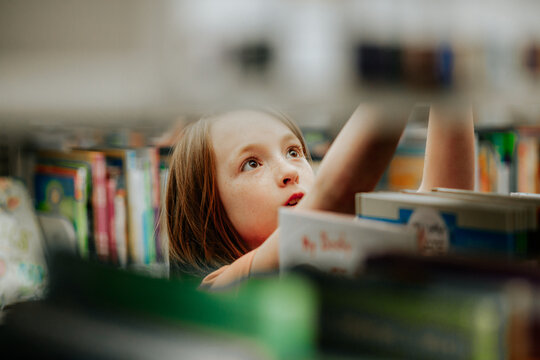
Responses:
[135,208]
[120,227]
[156,200]
[132,194]
[99,202]
[145,158]
[111,194]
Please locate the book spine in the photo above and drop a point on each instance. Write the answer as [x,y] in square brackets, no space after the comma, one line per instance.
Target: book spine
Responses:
[99,203]
[163,236]
[81,214]
[111,193]
[156,201]
[120,227]
[149,202]
[135,209]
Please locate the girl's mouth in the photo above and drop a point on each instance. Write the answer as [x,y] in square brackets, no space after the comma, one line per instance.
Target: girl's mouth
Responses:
[294,199]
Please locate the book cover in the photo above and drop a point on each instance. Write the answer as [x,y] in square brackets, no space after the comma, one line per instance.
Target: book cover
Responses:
[96,166]
[336,243]
[448,225]
[62,191]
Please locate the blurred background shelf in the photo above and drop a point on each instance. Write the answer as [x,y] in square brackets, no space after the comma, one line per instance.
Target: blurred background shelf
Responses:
[142,64]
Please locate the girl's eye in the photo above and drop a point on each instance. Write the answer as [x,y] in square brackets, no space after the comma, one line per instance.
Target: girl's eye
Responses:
[250,165]
[293,153]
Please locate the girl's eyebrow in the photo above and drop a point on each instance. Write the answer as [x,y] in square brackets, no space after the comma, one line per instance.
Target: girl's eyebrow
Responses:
[289,137]
[246,149]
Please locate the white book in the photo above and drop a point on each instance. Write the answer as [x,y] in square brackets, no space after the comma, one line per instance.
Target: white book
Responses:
[337,243]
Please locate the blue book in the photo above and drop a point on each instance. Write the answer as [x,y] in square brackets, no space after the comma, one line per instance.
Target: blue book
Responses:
[451,225]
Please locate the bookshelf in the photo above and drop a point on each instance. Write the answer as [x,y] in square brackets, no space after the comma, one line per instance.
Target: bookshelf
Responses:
[114,74]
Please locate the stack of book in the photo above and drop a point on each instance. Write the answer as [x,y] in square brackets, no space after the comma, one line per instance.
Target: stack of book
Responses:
[112,196]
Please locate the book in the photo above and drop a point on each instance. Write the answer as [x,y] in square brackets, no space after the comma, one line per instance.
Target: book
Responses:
[447,225]
[132,166]
[155,180]
[406,167]
[164,163]
[527,159]
[496,159]
[457,270]
[112,184]
[94,161]
[120,227]
[410,318]
[24,270]
[336,243]
[531,218]
[58,233]
[43,329]
[278,313]
[62,190]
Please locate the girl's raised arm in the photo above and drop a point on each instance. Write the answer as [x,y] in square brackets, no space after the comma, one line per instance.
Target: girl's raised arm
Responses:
[449,155]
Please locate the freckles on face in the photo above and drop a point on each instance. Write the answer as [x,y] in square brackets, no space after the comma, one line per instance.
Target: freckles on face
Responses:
[258,168]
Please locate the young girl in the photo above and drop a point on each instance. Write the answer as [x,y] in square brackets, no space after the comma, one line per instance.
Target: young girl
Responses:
[230,173]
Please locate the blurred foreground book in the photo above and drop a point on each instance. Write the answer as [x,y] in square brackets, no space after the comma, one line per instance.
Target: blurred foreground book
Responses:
[96,311]
[416,307]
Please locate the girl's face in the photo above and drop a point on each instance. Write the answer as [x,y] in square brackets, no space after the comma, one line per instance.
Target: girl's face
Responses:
[260,166]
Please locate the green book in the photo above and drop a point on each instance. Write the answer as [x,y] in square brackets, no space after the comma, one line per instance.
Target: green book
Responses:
[277,313]
[373,315]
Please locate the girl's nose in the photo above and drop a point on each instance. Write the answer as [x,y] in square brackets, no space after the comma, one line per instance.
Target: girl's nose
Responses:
[287,174]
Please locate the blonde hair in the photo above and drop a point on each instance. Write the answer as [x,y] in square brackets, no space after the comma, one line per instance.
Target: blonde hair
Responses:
[201,235]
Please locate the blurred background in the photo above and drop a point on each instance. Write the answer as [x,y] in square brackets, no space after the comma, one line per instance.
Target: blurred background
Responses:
[142,63]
